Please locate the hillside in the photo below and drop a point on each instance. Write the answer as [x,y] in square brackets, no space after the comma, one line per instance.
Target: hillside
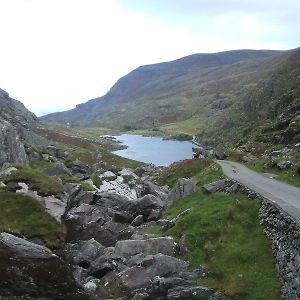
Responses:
[193,93]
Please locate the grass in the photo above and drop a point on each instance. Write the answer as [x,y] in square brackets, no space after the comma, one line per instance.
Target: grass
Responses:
[202,170]
[36,181]
[222,232]
[24,216]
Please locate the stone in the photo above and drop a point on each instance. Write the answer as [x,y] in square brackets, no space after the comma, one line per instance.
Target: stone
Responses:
[12,150]
[220,154]
[7,171]
[282,165]
[139,220]
[163,245]
[153,189]
[118,187]
[146,204]
[123,283]
[79,167]
[216,186]
[54,206]
[190,293]
[183,188]
[123,217]
[166,266]
[248,157]
[82,253]
[28,269]
[58,169]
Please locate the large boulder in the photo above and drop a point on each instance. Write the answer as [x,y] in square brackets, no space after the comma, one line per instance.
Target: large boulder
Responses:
[32,271]
[217,186]
[183,188]
[82,253]
[148,205]
[11,148]
[58,169]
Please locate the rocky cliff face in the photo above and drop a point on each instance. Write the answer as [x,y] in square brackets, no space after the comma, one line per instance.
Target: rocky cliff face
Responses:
[15,123]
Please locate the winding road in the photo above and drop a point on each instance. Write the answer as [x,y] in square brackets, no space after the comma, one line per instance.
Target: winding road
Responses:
[283,195]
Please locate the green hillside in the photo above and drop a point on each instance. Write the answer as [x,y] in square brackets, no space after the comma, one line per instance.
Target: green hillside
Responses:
[232,92]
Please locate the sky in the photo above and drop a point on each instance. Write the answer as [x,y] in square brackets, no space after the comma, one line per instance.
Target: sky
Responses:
[55,54]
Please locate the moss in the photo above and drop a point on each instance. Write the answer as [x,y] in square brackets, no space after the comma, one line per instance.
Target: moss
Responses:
[24,216]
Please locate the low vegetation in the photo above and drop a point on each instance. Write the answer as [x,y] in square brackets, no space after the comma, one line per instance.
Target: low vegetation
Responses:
[36,181]
[24,216]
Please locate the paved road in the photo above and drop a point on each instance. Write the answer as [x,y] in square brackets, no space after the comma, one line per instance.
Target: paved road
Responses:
[284,195]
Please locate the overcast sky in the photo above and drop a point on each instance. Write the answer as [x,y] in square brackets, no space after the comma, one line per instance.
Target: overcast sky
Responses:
[55,54]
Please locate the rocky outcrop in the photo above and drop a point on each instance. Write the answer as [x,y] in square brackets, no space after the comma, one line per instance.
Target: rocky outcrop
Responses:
[29,271]
[12,149]
[183,188]
[15,123]
[284,233]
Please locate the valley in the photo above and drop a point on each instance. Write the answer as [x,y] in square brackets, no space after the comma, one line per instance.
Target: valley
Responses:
[108,227]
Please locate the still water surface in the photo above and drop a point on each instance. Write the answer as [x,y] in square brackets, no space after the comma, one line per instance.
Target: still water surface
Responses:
[154,150]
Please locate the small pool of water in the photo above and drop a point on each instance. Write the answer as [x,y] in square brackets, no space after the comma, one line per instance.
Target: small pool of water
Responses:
[154,150]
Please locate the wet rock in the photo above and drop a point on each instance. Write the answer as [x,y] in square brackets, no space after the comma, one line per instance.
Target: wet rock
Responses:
[28,269]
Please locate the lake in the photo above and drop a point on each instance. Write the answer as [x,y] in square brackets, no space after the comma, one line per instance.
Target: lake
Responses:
[154,150]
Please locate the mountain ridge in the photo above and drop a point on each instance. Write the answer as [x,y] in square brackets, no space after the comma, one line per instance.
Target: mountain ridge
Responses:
[198,89]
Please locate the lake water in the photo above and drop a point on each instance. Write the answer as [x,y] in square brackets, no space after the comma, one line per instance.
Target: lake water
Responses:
[154,150]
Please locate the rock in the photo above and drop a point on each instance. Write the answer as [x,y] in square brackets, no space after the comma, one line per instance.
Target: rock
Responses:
[72,190]
[56,152]
[82,253]
[153,189]
[190,293]
[167,224]
[54,206]
[154,215]
[248,157]
[128,172]
[145,205]
[79,167]
[7,171]
[183,188]
[108,174]
[123,217]
[11,148]
[163,245]
[220,154]
[282,165]
[31,270]
[216,186]
[123,283]
[166,266]
[139,220]
[117,187]
[58,169]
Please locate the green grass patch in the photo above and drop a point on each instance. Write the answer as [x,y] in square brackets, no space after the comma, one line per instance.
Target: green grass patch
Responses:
[24,216]
[202,170]
[222,232]
[36,181]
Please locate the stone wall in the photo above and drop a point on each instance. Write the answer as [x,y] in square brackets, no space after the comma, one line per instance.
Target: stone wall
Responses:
[284,232]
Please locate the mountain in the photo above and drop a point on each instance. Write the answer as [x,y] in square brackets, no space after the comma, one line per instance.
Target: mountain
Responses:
[196,94]
[16,123]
